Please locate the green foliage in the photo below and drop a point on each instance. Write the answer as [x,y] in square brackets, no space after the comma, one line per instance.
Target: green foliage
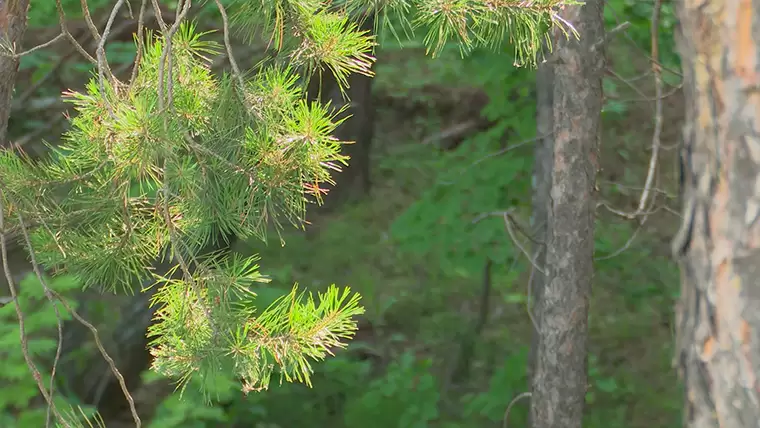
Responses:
[407,396]
[472,24]
[485,174]
[133,178]
[162,166]
[638,42]
[507,382]
[19,389]
[205,155]
[192,409]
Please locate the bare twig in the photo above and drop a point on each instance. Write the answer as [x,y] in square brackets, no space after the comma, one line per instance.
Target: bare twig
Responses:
[505,421]
[165,62]
[518,244]
[40,46]
[670,93]
[50,293]
[88,18]
[49,296]
[658,105]
[228,45]
[159,16]
[64,30]
[458,130]
[636,45]
[529,294]
[599,44]
[638,188]
[20,315]
[109,360]
[140,41]
[104,70]
[624,247]
[608,35]
[508,149]
[642,210]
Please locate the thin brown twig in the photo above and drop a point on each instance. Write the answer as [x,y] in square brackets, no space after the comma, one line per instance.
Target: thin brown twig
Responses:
[624,247]
[639,48]
[20,315]
[106,356]
[642,210]
[529,294]
[54,71]
[626,186]
[64,30]
[625,214]
[140,42]
[628,83]
[159,15]
[100,52]
[668,94]
[658,105]
[50,298]
[40,46]
[518,244]
[165,62]
[508,149]
[228,45]
[88,19]
[505,420]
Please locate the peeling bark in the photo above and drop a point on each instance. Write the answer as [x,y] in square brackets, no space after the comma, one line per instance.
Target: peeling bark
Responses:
[718,246]
[559,379]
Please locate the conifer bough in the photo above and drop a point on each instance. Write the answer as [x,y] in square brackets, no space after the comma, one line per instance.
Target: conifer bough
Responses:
[162,165]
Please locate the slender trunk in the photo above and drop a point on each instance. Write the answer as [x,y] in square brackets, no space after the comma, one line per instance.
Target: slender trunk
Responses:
[542,176]
[559,380]
[13,16]
[542,179]
[718,246]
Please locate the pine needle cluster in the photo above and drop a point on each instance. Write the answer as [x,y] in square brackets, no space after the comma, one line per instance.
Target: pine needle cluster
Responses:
[161,166]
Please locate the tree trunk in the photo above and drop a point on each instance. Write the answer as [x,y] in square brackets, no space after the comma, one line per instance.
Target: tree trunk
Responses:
[542,179]
[13,15]
[718,246]
[559,380]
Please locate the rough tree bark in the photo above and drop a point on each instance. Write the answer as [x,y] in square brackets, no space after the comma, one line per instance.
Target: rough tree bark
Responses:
[559,379]
[13,16]
[13,22]
[542,176]
[718,246]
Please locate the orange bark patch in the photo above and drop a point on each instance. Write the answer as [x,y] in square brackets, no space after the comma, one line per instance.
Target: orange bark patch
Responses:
[746,333]
[746,51]
[708,349]
[719,221]
[746,337]
[727,303]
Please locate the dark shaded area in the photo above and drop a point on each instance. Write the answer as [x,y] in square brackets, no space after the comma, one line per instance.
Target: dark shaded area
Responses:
[358,127]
